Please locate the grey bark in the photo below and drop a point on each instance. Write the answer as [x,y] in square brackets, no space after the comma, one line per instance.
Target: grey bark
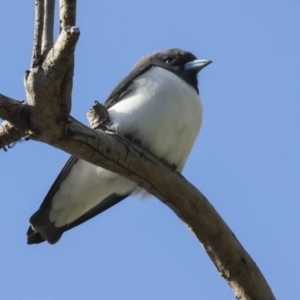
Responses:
[45,118]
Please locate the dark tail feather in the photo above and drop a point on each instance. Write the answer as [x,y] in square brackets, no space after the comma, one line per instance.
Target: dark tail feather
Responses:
[42,229]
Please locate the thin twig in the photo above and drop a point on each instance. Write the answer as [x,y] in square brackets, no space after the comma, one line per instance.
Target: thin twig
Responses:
[67,13]
[61,52]
[47,42]
[38,32]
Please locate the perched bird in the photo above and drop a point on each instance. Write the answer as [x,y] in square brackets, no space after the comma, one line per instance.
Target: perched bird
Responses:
[157,103]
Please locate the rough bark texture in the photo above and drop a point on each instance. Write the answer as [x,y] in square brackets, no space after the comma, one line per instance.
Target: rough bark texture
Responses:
[46,118]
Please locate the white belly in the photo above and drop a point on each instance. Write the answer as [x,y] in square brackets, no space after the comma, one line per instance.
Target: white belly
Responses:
[165,115]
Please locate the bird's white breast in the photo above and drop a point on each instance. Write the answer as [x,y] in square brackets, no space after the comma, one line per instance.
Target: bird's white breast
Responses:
[163,112]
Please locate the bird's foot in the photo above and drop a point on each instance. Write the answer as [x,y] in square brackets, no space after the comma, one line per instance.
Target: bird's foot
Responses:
[133,140]
[173,167]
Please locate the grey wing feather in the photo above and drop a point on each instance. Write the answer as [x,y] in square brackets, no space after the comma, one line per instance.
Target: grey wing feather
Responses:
[42,228]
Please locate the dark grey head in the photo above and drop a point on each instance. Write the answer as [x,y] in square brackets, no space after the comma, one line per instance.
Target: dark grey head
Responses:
[182,63]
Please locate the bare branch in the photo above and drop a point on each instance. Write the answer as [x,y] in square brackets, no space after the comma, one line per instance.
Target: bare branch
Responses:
[67,13]
[16,124]
[55,76]
[14,112]
[9,134]
[48,89]
[119,155]
[38,32]
[62,52]
[48,25]
[226,252]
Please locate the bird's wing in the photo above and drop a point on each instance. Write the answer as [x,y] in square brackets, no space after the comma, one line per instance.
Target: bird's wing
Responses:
[125,86]
[42,228]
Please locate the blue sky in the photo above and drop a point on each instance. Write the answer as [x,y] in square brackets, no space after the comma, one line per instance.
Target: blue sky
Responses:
[246,159]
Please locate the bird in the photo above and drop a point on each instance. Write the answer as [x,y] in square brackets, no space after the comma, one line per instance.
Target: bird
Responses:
[157,104]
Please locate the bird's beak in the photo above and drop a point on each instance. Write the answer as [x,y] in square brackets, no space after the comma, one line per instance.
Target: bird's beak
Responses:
[197,65]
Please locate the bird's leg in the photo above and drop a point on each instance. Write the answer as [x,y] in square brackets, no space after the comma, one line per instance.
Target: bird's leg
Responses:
[173,167]
[132,139]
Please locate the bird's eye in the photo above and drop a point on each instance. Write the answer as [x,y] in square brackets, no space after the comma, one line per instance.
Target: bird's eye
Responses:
[168,60]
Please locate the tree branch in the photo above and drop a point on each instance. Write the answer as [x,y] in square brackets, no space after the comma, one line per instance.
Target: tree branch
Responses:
[16,124]
[48,88]
[15,112]
[67,13]
[9,135]
[38,32]
[228,255]
[47,42]
[55,75]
